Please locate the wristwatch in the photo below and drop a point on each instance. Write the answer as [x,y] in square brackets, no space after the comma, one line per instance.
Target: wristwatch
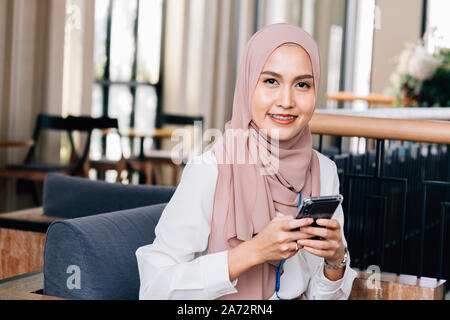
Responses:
[340,265]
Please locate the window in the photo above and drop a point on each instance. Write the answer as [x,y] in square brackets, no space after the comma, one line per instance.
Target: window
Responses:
[127,64]
[437,24]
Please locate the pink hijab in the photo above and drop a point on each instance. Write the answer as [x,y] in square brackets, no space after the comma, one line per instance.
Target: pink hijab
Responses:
[245,200]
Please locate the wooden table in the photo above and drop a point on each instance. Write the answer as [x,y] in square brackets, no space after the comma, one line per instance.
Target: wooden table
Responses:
[142,135]
[24,287]
[22,239]
[133,133]
[393,287]
[11,144]
[396,287]
[16,143]
[371,98]
[27,220]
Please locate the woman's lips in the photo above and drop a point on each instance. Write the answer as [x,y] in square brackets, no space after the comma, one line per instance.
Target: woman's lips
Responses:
[282,118]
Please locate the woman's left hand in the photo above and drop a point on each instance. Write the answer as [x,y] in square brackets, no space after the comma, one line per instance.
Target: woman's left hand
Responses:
[330,247]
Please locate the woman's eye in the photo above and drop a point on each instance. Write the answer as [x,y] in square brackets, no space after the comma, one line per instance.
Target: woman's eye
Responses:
[270,81]
[303,85]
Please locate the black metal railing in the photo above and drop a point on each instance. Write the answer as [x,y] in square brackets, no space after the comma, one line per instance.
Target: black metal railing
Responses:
[396,200]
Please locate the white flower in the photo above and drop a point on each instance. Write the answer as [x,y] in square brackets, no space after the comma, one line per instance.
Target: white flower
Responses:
[422,66]
[395,80]
[403,60]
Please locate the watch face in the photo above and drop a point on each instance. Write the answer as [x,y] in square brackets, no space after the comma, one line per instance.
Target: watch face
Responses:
[345,256]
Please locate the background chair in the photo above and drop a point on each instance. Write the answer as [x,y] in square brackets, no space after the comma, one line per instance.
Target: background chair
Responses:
[150,165]
[104,164]
[36,171]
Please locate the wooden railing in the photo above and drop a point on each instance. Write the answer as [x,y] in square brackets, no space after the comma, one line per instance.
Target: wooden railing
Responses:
[378,128]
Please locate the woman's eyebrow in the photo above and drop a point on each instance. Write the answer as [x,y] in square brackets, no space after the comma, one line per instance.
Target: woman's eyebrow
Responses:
[301,77]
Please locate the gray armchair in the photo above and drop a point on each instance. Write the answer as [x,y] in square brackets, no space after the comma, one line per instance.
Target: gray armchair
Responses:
[100,251]
[91,255]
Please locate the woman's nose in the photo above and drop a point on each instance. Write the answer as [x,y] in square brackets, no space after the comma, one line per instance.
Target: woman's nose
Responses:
[285,98]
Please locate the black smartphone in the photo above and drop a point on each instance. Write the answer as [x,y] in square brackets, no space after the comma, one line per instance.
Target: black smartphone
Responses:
[322,207]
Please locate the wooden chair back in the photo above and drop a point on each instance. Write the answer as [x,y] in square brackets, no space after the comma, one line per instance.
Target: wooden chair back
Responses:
[69,125]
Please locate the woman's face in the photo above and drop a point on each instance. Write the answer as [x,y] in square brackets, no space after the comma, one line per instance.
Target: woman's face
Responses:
[284,97]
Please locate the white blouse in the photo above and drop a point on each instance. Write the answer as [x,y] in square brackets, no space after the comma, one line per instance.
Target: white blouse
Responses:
[177,266]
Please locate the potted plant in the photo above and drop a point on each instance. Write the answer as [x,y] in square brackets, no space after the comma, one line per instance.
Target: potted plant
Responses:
[422,79]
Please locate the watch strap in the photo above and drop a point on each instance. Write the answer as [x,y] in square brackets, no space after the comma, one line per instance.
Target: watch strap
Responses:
[340,265]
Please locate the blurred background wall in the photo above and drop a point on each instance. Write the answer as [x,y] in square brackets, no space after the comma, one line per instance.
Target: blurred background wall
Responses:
[400,22]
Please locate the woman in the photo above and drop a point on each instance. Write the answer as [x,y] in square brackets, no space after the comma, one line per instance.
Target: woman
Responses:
[229,225]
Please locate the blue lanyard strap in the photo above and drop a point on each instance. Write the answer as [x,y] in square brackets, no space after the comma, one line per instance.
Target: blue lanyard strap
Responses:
[277,285]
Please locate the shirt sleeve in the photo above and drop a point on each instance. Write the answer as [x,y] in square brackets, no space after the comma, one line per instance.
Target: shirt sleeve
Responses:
[320,287]
[175,265]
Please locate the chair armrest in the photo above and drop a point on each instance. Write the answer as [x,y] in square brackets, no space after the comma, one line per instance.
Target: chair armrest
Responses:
[102,249]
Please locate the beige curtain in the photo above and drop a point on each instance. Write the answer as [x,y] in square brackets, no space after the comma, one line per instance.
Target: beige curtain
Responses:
[391,36]
[75,91]
[23,61]
[203,42]
[32,64]
[33,42]
[24,76]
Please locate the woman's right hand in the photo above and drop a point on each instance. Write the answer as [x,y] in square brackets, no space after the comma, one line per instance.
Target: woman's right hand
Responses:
[277,241]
